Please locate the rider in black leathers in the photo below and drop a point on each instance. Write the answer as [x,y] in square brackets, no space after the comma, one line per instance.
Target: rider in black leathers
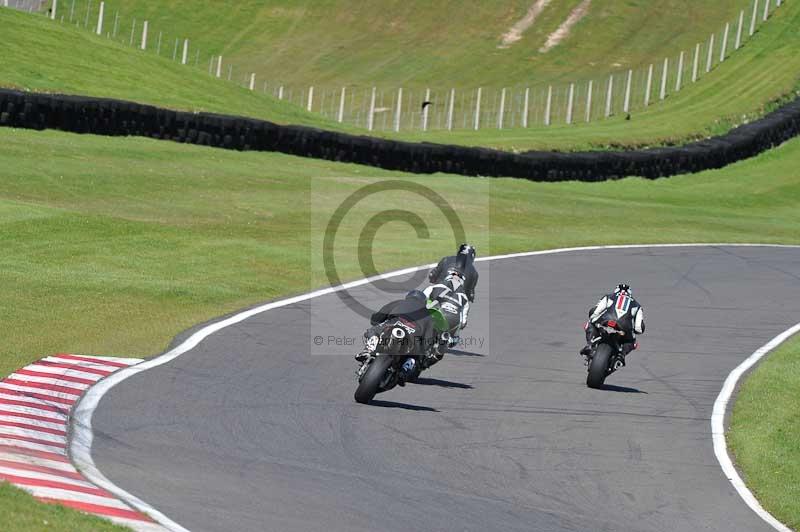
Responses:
[622,308]
[462,261]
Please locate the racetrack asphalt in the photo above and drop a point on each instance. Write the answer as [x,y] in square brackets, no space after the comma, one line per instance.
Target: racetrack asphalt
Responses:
[256,429]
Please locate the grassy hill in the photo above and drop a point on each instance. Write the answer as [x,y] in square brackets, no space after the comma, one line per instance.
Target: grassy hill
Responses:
[418,42]
[45,56]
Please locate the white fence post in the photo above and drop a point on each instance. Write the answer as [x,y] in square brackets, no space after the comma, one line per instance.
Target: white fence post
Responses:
[766,10]
[526,107]
[185,51]
[450,110]
[52,10]
[144,35]
[696,63]
[724,43]
[133,29]
[589,100]
[502,109]
[609,95]
[570,102]
[548,105]
[627,104]
[649,86]
[341,105]
[280,92]
[710,58]
[219,67]
[253,81]
[310,99]
[478,109]
[679,80]
[664,73]
[399,109]
[755,15]
[371,115]
[426,110]
[739,30]
[100,18]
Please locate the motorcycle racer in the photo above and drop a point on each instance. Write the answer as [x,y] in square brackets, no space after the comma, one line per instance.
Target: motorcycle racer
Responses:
[422,343]
[461,262]
[451,300]
[622,308]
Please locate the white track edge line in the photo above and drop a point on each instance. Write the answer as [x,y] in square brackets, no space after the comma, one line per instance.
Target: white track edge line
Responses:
[80,444]
[718,427]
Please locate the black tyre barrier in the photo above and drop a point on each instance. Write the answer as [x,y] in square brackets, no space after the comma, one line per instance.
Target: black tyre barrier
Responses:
[98,116]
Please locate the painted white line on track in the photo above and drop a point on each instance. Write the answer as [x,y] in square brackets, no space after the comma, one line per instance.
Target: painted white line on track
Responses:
[81,441]
[718,427]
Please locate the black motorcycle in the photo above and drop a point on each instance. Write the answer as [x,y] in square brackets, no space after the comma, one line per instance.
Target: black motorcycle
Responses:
[606,356]
[390,363]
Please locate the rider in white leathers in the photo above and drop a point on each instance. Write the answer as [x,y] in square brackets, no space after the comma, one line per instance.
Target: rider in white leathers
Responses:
[625,310]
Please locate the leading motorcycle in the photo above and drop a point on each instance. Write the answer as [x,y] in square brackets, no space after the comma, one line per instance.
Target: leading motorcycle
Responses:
[606,355]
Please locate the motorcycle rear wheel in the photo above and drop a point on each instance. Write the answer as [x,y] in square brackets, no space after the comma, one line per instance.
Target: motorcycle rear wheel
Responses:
[598,367]
[371,380]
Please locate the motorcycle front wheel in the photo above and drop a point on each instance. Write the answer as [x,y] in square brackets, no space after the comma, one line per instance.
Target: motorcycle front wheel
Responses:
[598,368]
[371,381]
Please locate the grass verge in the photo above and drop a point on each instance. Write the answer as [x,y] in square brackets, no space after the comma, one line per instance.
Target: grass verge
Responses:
[764,435]
[21,513]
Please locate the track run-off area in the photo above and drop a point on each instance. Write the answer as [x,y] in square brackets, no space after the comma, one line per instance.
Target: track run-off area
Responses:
[254,427]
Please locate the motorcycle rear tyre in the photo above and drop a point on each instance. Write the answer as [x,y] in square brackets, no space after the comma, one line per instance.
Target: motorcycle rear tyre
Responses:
[371,380]
[598,368]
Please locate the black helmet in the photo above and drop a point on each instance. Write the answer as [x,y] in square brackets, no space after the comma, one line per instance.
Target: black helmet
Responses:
[465,257]
[467,249]
[622,287]
[417,295]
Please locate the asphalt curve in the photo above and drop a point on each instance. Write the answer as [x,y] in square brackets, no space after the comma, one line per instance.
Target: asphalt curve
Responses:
[255,430]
